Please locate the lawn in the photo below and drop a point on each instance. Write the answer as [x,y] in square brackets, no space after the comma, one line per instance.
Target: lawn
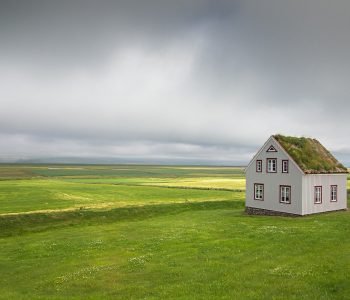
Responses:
[113,237]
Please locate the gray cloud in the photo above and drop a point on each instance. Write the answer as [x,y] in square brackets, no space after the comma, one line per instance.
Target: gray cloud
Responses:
[171,79]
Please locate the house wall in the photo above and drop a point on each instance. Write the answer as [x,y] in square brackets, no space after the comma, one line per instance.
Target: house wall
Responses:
[272,182]
[324,180]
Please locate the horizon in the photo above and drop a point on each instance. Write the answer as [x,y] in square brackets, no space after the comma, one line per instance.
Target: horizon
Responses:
[76,161]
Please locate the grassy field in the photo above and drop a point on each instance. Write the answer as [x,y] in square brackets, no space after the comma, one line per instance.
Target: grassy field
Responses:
[50,188]
[151,232]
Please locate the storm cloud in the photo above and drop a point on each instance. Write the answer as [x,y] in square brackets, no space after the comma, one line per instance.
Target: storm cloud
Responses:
[193,81]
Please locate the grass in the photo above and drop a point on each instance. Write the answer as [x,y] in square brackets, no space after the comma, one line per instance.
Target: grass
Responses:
[310,155]
[153,244]
[218,183]
[20,196]
[124,171]
[178,251]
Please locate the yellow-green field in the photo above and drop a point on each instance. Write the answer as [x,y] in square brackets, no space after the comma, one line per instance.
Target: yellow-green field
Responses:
[34,188]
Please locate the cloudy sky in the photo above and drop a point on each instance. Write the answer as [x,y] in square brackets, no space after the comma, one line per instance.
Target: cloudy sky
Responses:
[194,81]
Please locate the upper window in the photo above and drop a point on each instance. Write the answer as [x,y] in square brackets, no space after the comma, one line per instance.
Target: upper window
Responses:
[285,166]
[318,194]
[334,193]
[271,149]
[258,191]
[285,194]
[271,166]
[259,165]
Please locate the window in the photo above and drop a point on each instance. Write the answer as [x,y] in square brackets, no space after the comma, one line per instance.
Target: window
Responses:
[285,166]
[285,194]
[318,194]
[334,193]
[271,165]
[259,165]
[271,149]
[258,191]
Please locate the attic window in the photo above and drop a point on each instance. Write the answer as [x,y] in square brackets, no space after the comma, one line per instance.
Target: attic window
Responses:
[271,165]
[259,166]
[285,166]
[318,194]
[271,149]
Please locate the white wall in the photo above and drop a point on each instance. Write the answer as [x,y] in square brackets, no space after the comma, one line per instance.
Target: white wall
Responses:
[272,182]
[324,180]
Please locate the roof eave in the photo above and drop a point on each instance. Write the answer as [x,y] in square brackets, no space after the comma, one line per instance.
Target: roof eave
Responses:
[325,173]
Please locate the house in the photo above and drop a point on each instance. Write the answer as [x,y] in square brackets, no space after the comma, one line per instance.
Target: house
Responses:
[294,176]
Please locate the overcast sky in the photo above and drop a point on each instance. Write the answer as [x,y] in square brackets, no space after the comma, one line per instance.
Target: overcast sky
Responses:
[158,80]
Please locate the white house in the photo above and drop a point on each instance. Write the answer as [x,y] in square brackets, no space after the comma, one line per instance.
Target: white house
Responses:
[294,176]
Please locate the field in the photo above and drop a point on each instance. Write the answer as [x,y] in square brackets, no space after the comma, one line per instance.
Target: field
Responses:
[159,232]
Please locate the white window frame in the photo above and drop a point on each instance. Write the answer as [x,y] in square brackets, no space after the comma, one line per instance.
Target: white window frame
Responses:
[318,194]
[285,166]
[285,194]
[271,165]
[259,191]
[334,193]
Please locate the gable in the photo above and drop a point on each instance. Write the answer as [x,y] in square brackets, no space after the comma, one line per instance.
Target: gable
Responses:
[272,149]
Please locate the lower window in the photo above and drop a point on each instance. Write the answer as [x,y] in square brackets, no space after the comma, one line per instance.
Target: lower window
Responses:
[334,192]
[285,194]
[318,194]
[258,191]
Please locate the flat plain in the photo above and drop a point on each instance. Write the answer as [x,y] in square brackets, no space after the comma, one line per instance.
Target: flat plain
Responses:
[159,232]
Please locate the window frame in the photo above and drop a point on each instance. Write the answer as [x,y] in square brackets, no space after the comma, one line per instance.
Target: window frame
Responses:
[290,194]
[336,193]
[267,165]
[256,168]
[263,189]
[315,194]
[283,162]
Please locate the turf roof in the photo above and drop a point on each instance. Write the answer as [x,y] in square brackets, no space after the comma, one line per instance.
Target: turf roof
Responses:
[310,155]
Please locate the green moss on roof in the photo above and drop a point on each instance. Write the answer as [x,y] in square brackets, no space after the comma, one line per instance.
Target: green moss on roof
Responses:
[310,155]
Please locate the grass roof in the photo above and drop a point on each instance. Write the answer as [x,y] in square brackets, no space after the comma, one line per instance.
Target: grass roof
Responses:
[310,155]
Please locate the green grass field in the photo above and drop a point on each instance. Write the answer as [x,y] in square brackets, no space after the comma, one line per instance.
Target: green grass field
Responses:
[153,232]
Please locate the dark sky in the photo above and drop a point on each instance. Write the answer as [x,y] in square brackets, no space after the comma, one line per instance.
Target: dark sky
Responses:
[204,81]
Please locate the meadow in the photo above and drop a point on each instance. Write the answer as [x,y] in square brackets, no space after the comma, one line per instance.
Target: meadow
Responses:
[159,232]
